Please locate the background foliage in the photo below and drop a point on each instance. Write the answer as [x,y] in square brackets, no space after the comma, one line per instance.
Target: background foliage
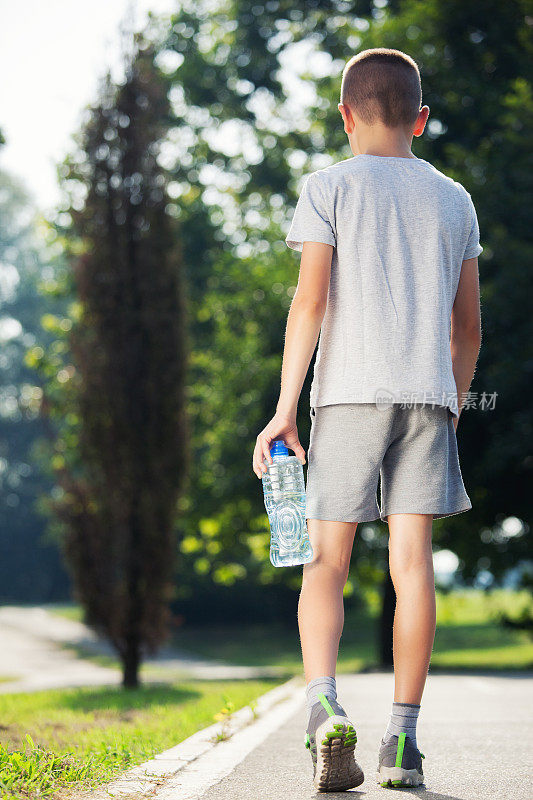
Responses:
[253,91]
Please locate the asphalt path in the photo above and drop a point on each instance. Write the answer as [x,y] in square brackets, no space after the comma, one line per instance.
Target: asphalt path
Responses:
[474,729]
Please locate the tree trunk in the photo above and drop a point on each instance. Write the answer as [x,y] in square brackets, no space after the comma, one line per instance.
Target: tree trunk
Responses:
[130,664]
[387,620]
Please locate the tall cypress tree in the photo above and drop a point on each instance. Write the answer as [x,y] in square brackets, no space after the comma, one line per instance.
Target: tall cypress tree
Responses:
[128,349]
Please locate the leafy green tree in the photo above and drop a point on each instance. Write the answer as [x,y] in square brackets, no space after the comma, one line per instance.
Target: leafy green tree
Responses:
[475,81]
[30,567]
[239,297]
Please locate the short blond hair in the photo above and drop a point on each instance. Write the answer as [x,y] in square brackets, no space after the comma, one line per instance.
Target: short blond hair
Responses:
[382,85]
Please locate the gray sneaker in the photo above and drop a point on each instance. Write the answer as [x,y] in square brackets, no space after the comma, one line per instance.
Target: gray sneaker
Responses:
[400,763]
[331,740]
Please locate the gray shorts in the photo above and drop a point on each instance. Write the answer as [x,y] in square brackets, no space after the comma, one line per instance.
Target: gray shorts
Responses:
[414,450]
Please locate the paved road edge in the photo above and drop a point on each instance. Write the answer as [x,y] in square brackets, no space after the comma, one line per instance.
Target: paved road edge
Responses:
[192,766]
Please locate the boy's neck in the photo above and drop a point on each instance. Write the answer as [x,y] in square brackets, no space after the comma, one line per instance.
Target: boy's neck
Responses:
[378,140]
[386,153]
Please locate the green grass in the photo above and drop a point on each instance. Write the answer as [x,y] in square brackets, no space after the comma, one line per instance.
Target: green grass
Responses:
[468,637]
[275,645]
[67,610]
[83,737]
[474,606]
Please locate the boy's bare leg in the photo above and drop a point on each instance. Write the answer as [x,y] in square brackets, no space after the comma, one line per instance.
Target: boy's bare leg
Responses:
[320,605]
[411,568]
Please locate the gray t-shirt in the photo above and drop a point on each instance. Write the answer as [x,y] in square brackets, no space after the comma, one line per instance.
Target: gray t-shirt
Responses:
[400,231]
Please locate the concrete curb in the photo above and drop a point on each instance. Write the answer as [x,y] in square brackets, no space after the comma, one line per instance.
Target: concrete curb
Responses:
[187,770]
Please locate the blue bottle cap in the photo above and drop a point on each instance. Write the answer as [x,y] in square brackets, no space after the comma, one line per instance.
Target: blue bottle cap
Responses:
[278,448]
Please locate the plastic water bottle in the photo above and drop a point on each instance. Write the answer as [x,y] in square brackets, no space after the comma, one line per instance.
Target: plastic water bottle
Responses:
[284,493]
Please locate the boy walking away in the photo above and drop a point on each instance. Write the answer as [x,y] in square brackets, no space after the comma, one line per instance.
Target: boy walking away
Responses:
[389,279]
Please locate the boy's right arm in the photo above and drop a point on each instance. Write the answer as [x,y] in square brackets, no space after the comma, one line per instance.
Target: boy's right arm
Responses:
[465,341]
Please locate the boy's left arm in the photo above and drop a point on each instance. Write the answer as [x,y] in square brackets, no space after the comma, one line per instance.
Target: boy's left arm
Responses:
[303,327]
[465,340]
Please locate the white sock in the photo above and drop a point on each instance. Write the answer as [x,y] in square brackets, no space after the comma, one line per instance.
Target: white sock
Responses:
[324,685]
[403,719]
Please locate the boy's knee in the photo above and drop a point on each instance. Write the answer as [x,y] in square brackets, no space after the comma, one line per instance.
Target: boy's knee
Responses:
[409,564]
[323,566]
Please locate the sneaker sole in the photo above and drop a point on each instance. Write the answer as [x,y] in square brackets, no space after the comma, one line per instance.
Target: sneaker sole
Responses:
[399,778]
[336,767]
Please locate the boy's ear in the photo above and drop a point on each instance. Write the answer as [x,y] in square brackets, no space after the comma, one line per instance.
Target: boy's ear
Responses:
[420,124]
[347,117]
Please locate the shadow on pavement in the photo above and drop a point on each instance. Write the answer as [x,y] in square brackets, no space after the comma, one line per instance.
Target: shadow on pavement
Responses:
[420,791]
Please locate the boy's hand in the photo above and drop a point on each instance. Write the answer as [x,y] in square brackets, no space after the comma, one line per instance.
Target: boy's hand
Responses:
[280,427]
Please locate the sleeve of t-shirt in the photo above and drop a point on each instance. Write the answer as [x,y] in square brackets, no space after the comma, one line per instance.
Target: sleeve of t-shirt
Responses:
[473,247]
[311,222]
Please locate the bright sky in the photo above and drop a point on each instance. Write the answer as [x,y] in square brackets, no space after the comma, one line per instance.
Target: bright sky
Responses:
[52,53]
